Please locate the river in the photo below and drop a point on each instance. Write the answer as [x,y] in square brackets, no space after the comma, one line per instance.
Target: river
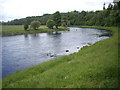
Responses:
[24,51]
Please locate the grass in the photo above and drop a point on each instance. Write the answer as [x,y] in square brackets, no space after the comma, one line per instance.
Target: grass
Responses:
[95,66]
[10,30]
[0,83]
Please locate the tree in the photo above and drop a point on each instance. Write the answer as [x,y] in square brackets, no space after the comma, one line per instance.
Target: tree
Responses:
[26,26]
[50,24]
[35,24]
[110,7]
[57,19]
[104,6]
[118,4]
[83,13]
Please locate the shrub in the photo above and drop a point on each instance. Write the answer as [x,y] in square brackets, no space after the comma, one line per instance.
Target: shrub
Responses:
[26,26]
[35,24]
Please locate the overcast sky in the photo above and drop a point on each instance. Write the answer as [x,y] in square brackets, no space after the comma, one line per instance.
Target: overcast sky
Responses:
[15,9]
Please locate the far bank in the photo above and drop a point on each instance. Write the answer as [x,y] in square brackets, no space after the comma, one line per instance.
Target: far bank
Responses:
[11,30]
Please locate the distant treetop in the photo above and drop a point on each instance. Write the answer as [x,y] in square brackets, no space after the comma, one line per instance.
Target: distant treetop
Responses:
[116,1]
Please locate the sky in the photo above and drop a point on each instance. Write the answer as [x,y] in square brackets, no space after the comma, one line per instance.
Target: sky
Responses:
[15,9]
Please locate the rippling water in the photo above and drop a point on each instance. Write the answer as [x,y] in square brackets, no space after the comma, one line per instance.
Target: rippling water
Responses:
[23,51]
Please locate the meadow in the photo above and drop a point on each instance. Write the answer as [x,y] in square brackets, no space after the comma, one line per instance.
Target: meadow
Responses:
[10,30]
[93,66]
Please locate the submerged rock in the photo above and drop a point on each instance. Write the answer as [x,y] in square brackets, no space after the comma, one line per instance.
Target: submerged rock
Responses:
[67,50]
[51,55]
[89,43]
[78,47]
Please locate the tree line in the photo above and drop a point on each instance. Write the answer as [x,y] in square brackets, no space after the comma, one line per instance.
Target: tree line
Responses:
[55,21]
[109,16]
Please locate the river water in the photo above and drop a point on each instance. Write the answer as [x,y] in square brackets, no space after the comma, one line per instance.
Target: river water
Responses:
[23,51]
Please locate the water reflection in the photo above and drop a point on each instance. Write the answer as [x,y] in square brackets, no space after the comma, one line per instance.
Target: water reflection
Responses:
[34,35]
[55,33]
[26,35]
[56,42]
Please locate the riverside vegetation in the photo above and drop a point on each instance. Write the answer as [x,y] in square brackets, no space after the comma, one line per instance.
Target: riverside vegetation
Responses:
[95,66]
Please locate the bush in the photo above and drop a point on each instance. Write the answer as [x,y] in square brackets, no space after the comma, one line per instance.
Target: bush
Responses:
[50,24]
[26,26]
[35,24]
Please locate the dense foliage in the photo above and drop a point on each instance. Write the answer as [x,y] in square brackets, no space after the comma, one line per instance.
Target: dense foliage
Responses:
[50,24]
[109,16]
[35,24]
[57,19]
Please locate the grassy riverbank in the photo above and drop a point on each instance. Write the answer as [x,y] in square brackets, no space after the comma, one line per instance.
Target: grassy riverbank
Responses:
[10,30]
[95,66]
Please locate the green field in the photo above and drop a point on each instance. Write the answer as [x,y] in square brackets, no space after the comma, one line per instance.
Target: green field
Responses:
[95,66]
[9,30]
